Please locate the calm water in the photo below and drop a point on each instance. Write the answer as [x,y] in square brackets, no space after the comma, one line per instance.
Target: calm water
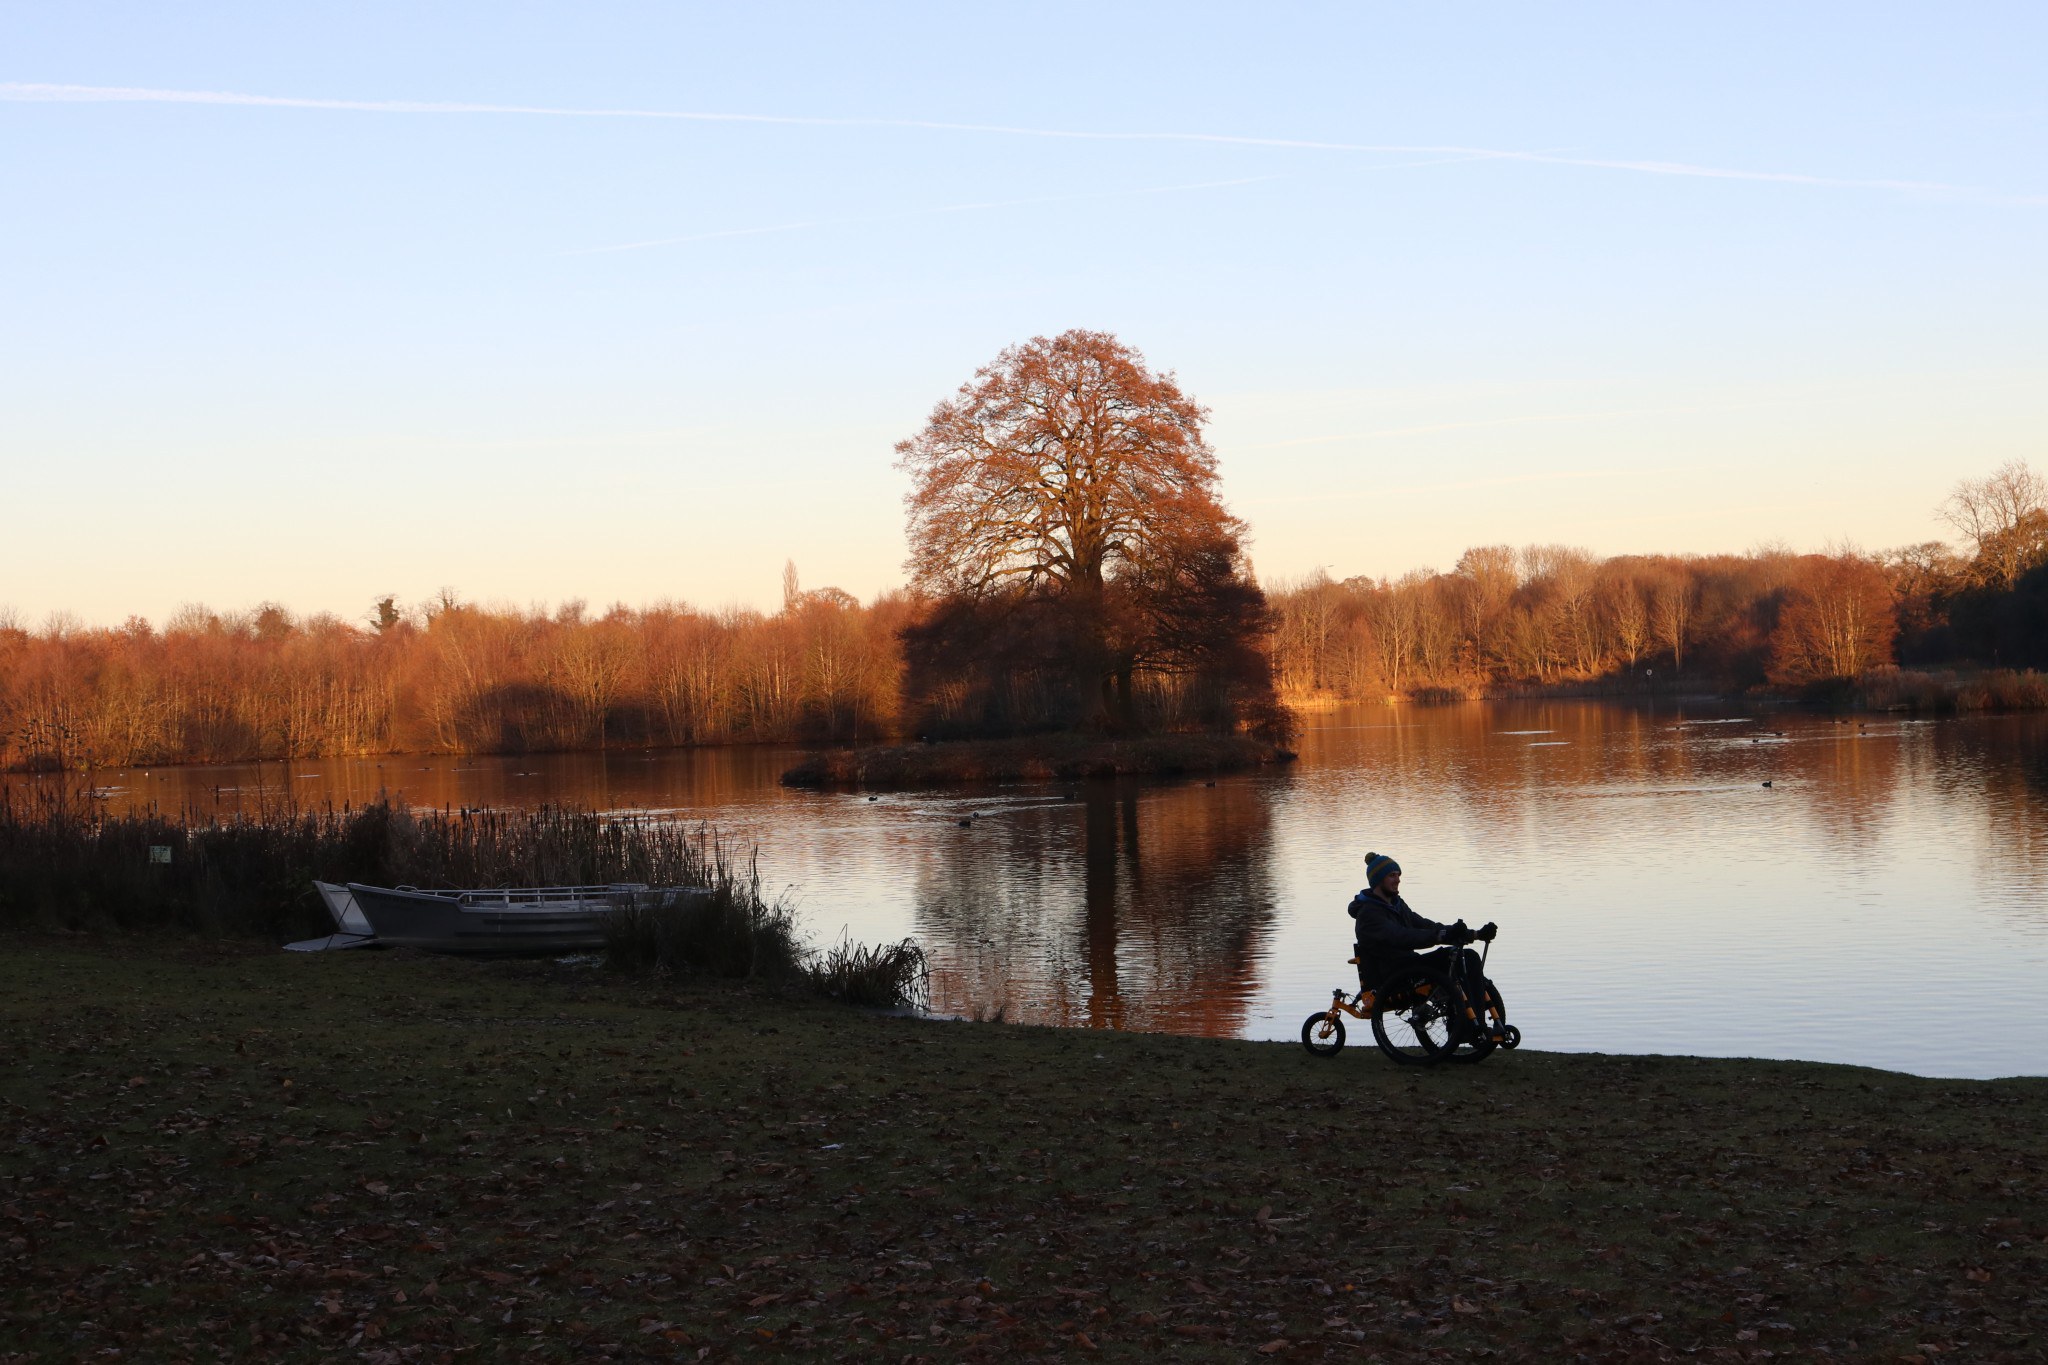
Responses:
[1883,901]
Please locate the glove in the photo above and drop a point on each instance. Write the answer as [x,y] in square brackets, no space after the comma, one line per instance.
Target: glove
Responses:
[1457,933]
[1486,932]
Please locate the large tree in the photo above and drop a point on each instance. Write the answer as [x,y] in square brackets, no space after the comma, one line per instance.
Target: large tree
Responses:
[1069,484]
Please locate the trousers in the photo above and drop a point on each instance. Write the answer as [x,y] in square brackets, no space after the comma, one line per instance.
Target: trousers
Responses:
[1376,965]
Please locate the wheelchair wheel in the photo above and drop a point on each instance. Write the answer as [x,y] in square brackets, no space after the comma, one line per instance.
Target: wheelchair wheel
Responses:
[1478,1045]
[1322,1034]
[1411,1021]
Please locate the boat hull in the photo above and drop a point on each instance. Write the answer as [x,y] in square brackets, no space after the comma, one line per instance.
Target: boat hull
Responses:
[351,930]
[480,922]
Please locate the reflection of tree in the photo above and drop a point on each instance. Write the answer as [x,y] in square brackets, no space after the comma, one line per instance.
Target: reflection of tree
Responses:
[1134,907]
[1992,772]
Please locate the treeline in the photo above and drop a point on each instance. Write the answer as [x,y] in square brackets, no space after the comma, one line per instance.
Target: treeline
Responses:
[449,677]
[1551,615]
[453,677]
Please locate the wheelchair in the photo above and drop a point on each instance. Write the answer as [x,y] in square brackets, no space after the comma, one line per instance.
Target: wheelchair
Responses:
[1422,1014]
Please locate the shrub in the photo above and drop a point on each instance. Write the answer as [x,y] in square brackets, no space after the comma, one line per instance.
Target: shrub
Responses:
[881,976]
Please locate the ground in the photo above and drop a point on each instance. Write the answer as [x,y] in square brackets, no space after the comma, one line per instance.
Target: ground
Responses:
[212,1152]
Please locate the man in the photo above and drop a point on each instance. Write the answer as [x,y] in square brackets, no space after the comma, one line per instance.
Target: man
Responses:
[1388,933]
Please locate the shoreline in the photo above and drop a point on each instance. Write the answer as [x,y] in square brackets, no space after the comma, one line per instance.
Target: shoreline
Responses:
[1925,692]
[1039,758]
[1916,691]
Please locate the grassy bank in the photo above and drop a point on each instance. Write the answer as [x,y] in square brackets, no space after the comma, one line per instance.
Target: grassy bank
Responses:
[388,1158]
[1034,757]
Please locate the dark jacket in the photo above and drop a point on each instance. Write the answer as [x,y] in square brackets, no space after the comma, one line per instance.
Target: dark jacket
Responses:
[1383,928]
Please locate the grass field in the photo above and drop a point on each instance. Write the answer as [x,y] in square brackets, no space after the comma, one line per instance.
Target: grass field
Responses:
[217,1152]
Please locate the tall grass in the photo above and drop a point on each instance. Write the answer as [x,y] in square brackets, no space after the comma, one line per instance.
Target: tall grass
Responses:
[881,976]
[2000,689]
[67,864]
[731,930]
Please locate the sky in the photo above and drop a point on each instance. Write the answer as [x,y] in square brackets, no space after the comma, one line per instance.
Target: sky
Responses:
[623,303]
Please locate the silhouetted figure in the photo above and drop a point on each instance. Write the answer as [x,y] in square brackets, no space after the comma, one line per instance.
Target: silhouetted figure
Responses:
[1389,934]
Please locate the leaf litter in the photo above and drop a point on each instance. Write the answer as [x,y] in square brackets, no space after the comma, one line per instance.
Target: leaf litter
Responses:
[514,1161]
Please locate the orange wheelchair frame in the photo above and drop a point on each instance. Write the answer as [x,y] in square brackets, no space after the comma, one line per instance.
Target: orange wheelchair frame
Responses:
[1414,1006]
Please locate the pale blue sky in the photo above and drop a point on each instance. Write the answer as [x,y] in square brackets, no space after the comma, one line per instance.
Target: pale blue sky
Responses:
[1633,277]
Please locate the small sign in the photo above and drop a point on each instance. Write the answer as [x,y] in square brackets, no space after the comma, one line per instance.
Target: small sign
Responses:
[159,853]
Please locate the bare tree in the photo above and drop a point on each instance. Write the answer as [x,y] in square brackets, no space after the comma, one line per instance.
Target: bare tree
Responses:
[1393,612]
[1838,622]
[1672,604]
[1628,615]
[1489,575]
[1990,512]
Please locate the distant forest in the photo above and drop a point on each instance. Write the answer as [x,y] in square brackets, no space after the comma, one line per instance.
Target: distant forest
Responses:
[449,676]
[1823,625]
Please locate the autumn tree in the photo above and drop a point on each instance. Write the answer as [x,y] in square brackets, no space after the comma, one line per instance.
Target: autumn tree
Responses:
[1070,484]
[1838,622]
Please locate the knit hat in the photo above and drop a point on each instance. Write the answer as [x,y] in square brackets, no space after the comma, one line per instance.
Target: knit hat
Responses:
[1378,866]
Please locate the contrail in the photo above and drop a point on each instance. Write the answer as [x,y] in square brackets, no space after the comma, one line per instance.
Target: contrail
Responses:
[914,213]
[104,94]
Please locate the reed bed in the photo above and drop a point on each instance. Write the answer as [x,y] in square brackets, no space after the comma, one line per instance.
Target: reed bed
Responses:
[1999,689]
[68,865]
[880,975]
[731,931]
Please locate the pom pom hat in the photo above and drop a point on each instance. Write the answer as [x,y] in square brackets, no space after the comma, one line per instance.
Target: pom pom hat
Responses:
[1378,867]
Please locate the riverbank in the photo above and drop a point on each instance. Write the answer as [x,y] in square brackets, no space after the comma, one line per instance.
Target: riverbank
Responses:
[400,1157]
[1920,691]
[1033,758]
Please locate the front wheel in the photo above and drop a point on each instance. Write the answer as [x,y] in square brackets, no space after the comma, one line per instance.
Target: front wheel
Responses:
[1323,1034]
[1484,1031]
[1411,1020]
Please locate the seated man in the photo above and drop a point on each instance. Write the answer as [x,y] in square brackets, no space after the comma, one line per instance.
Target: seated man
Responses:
[1388,932]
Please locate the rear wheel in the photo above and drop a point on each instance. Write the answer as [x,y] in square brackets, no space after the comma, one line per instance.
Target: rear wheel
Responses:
[1323,1034]
[1411,1020]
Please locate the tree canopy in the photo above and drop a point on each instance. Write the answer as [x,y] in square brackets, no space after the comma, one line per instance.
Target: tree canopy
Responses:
[1060,465]
[1064,515]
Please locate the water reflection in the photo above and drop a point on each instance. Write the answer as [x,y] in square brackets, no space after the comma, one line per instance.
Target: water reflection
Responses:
[1682,879]
[1128,906]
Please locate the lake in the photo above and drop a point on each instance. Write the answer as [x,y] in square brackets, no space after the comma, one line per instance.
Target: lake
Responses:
[1673,879]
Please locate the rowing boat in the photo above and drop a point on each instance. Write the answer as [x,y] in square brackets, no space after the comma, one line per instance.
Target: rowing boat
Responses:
[532,919]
